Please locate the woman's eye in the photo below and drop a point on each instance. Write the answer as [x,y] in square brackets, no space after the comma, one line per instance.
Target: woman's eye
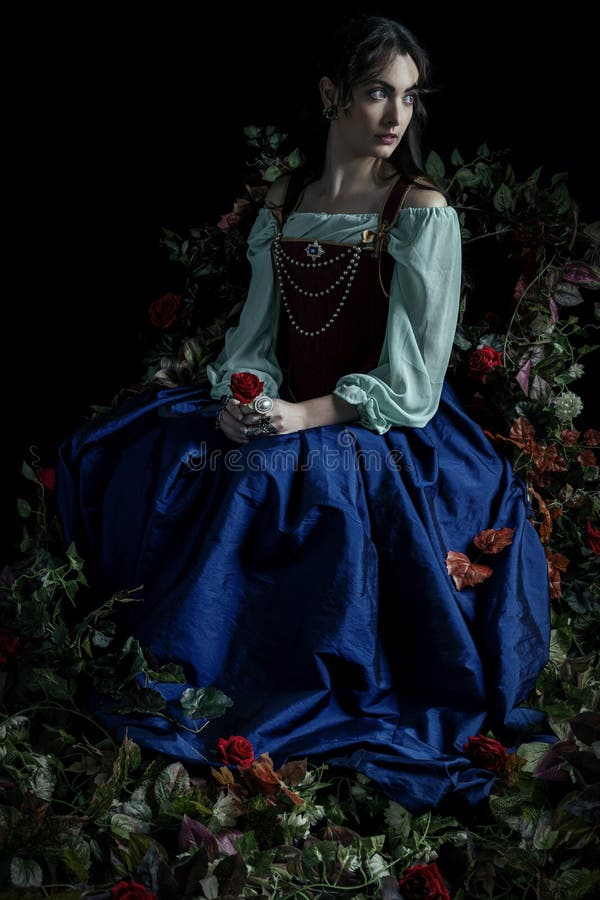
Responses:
[377,94]
[411,99]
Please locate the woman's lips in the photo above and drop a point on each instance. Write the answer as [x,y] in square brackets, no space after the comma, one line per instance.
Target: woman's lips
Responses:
[386,138]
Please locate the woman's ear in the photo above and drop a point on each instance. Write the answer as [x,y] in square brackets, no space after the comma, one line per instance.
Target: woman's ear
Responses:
[328,91]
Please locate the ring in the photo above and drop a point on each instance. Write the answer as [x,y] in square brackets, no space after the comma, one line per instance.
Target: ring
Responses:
[255,431]
[218,418]
[263,404]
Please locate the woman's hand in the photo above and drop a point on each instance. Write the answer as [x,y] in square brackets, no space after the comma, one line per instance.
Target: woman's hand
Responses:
[235,418]
[285,417]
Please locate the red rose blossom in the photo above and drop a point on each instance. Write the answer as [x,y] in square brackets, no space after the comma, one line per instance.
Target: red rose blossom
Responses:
[236,751]
[486,753]
[48,478]
[592,537]
[9,645]
[128,889]
[482,360]
[245,386]
[163,311]
[423,881]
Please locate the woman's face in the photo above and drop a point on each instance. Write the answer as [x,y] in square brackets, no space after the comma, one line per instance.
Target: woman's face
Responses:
[380,110]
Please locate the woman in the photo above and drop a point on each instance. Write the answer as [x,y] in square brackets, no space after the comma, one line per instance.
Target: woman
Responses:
[296,557]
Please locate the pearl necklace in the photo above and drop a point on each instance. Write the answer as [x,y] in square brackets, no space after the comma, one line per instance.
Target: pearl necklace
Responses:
[348,275]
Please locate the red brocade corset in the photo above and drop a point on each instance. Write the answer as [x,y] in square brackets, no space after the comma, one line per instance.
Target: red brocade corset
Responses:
[334,304]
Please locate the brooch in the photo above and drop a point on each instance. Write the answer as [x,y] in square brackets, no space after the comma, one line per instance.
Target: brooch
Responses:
[314,249]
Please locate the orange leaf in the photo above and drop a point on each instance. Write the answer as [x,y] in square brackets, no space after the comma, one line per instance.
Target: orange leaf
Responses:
[293,772]
[587,458]
[570,436]
[522,432]
[557,563]
[493,540]
[464,572]
[545,529]
[262,779]
[591,437]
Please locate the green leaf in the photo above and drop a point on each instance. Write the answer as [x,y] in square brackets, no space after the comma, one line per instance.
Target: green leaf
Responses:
[123,825]
[204,703]
[28,473]
[139,844]
[140,701]
[295,159]
[77,857]
[272,173]
[173,781]
[503,199]
[483,150]
[252,131]
[535,175]
[25,872]
[467,178]
[456,159]
[434,166]
[561,198]
[171,673]
[533,752]
[23,508]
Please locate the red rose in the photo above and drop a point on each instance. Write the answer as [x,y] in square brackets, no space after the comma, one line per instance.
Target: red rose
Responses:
[245,386]
[48,478]
[9,645]
[241,208]
[128,889]
[236,751]
[424,881]
[163,311]
[592,537]
[486,753]
[482,360]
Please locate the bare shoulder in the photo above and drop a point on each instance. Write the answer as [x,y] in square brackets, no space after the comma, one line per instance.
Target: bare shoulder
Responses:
[276,192]
[424,196]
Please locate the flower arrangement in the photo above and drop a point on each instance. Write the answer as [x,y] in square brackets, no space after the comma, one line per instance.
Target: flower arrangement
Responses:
[81,815]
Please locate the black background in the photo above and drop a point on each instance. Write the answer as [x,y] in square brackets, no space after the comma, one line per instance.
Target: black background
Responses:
[128,117]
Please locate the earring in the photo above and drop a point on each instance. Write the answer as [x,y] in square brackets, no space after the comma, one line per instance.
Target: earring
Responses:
[331,112]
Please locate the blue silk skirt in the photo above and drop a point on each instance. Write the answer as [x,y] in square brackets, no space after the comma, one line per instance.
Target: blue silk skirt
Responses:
[304,576]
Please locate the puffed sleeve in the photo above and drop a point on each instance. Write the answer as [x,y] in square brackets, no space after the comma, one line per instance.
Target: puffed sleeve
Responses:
[250,345]
[424,301]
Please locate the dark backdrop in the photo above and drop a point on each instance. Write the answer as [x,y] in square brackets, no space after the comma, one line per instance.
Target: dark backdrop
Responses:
[129,116]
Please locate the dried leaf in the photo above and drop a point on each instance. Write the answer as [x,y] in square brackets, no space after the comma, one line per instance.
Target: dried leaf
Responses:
[293,772]
[587,458]
[522,432]
[591,437]
[464,572]
[493,540]
[223,775]
[545,529]
[557,563]
[570,436]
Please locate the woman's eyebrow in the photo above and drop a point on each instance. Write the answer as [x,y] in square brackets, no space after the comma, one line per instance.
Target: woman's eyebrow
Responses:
[390,87]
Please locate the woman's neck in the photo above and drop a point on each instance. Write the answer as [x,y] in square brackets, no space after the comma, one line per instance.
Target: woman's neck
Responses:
[356,187]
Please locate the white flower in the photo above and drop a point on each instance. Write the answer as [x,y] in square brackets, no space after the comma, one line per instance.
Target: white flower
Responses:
[575,371]
[567,406]
[225,811]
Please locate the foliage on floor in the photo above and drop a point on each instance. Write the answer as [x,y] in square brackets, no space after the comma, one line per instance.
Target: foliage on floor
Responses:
[83,816]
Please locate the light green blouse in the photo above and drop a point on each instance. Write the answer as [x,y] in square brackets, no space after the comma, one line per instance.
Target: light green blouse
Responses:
[405,387]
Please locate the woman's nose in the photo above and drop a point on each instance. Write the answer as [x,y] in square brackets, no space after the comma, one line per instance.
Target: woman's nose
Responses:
[394,112]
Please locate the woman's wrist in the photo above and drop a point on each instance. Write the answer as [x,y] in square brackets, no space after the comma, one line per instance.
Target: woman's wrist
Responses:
[327,410]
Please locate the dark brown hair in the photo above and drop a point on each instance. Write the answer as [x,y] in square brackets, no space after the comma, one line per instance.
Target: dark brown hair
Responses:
[350,53]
